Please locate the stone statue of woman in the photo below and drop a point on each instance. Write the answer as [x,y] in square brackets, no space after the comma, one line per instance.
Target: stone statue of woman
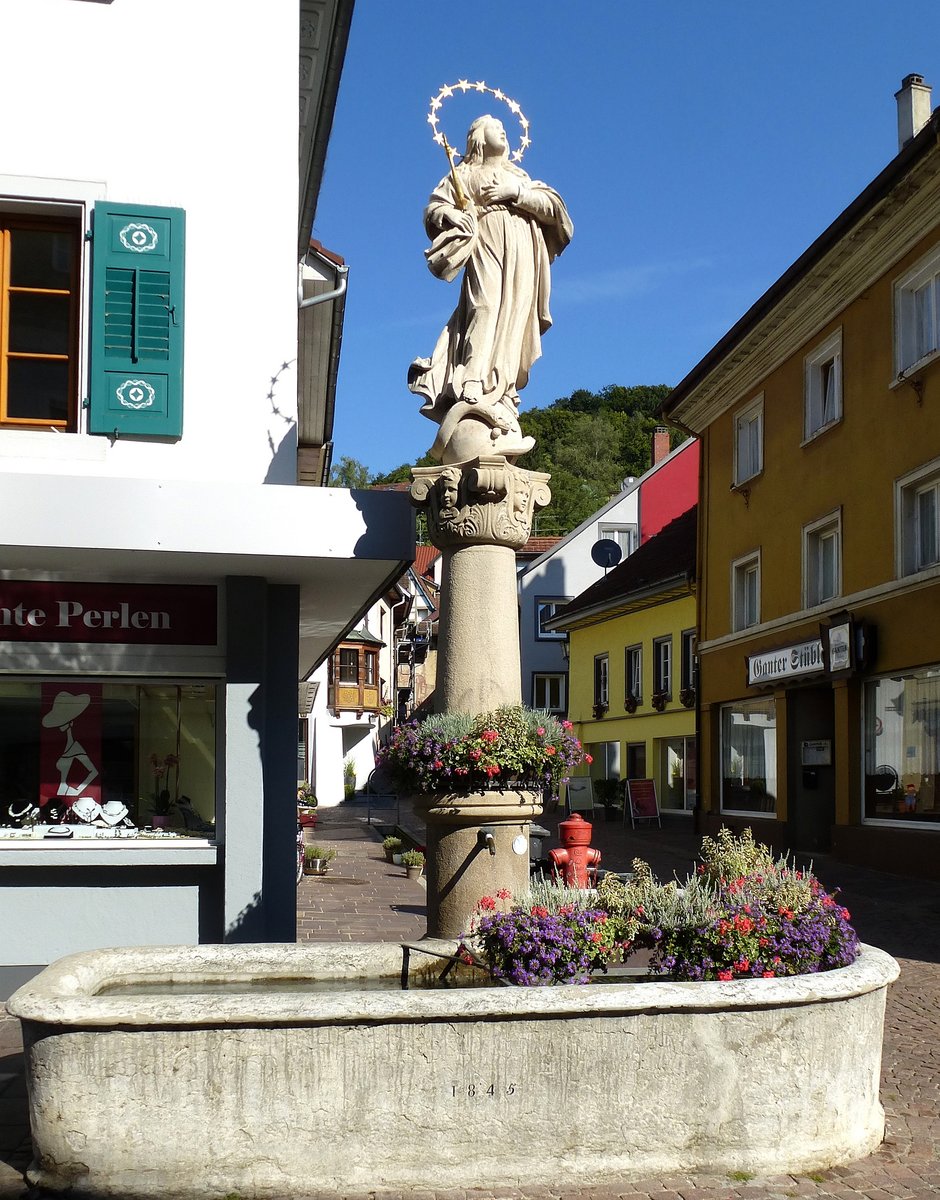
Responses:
[502,229]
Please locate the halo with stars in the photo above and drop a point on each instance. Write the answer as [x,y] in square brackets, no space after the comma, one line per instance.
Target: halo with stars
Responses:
[464,85]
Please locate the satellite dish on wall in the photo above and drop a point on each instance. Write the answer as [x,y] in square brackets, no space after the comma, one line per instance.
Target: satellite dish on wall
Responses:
[606,553]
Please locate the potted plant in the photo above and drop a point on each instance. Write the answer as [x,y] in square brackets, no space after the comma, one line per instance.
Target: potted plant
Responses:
[392,846]
[687,697]
[413,862]
[510,748]
[606,791]
[630,703]
[349,778]
[306,806]
[317,859]
[659,700]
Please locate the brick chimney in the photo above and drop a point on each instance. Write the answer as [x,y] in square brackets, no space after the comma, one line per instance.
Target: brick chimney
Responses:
[913,108]
[660,444]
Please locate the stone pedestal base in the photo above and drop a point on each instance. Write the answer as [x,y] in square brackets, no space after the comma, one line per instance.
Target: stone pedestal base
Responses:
[461,832]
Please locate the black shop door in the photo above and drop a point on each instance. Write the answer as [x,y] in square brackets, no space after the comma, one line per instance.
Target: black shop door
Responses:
[812,784]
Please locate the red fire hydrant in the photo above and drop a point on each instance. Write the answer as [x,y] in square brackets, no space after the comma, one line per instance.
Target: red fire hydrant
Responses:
[574,861]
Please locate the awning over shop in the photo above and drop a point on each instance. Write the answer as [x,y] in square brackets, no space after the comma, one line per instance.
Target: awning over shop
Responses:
[341,548]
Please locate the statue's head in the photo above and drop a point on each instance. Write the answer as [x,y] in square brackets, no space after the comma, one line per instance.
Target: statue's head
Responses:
[486,138]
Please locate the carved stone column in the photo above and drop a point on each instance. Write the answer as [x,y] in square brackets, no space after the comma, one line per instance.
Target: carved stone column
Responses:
[479,513]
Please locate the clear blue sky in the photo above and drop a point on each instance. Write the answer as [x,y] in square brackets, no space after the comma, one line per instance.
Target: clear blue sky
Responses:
[700,148]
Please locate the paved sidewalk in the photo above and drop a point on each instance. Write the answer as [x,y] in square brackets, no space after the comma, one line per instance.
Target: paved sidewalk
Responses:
[365,899]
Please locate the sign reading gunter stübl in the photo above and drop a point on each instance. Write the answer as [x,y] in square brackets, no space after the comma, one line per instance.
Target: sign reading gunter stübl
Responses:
[806,658]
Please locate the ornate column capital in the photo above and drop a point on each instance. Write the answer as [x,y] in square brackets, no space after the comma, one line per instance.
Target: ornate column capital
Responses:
[484,502]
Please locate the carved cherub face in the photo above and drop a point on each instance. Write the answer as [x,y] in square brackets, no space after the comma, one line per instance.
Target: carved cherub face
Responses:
[449,490]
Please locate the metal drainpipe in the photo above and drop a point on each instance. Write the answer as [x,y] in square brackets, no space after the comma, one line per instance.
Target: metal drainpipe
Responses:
[335,294]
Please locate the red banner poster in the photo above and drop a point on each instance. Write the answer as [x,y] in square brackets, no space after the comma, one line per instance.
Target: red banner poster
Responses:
[70,743]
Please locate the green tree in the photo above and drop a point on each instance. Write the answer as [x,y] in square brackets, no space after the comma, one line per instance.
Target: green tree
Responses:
[589,442]
[402,474]
[349,473]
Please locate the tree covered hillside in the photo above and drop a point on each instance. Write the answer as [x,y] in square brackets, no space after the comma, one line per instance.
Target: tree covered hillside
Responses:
[589,442]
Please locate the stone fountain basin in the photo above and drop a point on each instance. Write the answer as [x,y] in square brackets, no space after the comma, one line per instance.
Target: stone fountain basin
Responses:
[273,1092]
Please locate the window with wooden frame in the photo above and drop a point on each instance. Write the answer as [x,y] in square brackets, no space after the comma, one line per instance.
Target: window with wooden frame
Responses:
[353,679]
[39,307]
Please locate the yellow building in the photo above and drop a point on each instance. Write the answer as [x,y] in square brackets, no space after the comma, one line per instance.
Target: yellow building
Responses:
[819,534]
[632,666]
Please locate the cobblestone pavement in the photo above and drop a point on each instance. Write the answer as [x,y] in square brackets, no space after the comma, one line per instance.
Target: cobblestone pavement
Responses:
[363,898]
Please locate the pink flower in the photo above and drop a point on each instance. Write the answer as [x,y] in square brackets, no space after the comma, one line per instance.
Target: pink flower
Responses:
[504,894]
[475,754]
[541,731]
[567,725]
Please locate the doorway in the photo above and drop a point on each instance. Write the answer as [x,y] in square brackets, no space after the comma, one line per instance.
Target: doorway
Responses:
[810,769]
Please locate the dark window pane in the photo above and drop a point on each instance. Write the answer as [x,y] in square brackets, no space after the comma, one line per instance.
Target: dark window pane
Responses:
[41,258]
[39,324]
[38,389]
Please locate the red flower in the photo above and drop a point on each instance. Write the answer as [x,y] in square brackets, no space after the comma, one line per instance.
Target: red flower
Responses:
[503,894]
[594,937]
[489,735]
[487,903]
[589,758]
[725,976]
[768,975]
[538,910]
[550,750]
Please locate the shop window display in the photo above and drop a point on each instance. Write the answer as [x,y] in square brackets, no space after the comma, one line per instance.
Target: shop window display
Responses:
[902,748]
[93,759]
[749,757]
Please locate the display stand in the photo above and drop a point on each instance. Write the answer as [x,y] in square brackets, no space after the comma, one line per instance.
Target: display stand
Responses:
[642,803]
[579,795]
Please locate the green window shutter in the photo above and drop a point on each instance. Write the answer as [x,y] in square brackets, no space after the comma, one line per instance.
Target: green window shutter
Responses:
[136,375]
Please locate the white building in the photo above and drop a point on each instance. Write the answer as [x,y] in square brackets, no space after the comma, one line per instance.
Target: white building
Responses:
[378,675]
[164,582]
[564,571]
